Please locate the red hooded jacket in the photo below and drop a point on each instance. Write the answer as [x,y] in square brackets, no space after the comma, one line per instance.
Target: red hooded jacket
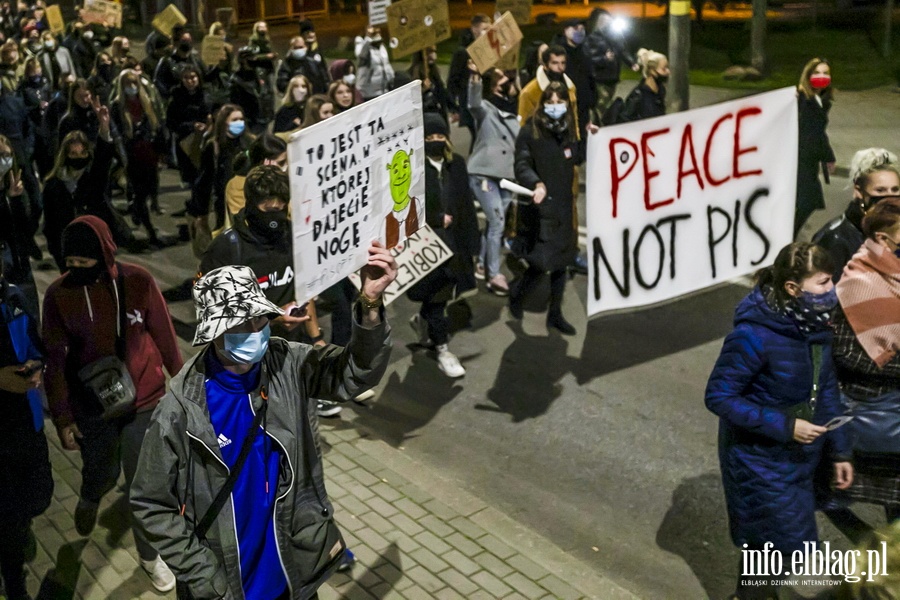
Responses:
[79,327]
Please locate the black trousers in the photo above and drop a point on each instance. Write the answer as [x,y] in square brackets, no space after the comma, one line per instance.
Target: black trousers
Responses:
[432,292]
[530,279]
[107,449]
[144,180]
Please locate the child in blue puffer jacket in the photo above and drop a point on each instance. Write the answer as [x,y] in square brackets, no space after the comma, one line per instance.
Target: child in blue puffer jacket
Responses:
[774,388]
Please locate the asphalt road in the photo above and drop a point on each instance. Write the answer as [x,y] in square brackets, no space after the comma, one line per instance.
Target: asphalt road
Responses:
[600,442]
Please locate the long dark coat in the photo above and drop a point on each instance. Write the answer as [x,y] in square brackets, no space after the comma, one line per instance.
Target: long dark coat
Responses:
[764,368]
[547,231]
[813,151]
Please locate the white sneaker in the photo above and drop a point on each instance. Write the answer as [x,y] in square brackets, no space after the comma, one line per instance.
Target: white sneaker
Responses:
[366,395]
[420,327]
[448,363]
[160,575]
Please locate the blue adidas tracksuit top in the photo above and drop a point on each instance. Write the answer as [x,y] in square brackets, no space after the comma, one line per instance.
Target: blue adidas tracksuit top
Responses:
[228,399]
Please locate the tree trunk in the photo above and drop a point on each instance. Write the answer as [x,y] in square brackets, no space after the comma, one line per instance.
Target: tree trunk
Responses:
[758,36]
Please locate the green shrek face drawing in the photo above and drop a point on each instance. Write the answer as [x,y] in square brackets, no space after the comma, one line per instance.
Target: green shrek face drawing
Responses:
[400,175]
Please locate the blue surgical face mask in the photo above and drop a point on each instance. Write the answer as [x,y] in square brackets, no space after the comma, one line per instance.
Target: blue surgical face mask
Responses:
[577,36]
[555,111]
[236,128]
[247,348]
[819,303]
[298,53]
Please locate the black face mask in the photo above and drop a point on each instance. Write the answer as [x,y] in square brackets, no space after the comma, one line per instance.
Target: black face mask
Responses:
[662,79]
[77,164]
[270,226]
[184,46]
[84,275]
[435,149]
[105,71]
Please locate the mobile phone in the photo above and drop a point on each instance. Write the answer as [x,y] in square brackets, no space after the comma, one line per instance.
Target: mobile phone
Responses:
[298,311]
[837,422]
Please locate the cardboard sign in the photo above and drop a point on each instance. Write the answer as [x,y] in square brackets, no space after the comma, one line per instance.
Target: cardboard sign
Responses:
[502,38]
[685,201]
[356,177]
[55,19]
[378,12]
[212,50]
[165,21]
[418,256]
[510,60]
[417,24]
[520,9]
[102,12]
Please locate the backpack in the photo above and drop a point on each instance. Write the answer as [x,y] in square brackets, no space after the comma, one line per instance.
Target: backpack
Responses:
[623,111]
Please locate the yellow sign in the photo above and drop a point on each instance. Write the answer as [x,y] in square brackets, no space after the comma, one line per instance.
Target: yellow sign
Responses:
[679,8]
[520,9]
[501,39]
[212,51]
[55,19]
[165,21]
[102,12]
[417,24]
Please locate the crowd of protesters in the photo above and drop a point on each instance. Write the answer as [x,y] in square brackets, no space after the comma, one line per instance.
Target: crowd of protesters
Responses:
[82,121]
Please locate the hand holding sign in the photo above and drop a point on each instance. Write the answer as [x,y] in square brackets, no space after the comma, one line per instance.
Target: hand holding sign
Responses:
[502,38]
[379,272]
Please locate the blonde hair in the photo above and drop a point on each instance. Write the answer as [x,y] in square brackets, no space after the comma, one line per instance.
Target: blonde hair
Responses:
[649,60]
[296,80]
[875,586]
[868,161]
[116,51]
[119,96]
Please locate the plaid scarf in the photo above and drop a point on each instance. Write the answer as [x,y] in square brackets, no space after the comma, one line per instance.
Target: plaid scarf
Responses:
[869,292]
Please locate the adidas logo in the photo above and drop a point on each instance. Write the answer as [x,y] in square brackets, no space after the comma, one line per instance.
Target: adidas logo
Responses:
[223,441]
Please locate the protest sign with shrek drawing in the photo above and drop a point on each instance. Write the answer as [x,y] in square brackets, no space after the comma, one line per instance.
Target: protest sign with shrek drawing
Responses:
[356,177]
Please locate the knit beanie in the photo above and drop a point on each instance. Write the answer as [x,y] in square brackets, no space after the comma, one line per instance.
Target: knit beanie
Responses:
[435,124]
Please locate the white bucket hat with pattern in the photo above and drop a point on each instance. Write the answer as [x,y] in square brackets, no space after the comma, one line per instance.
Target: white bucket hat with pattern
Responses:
[227,297]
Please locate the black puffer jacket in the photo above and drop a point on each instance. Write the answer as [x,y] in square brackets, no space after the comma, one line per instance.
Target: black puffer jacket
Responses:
[595,49]
[291,67]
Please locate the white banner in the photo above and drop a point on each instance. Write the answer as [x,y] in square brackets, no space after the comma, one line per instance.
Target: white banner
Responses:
[418,256]
[378,12]
[685,201]
[356,177]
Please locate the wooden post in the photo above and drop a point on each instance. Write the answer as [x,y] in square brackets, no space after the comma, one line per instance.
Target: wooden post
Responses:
[679,54]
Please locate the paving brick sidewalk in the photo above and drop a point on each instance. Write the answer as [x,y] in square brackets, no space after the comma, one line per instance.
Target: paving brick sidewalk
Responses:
[415,535]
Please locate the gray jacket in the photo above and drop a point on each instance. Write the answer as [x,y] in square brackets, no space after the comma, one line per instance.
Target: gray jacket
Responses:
[495,143]
[180,469]
[375,73]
